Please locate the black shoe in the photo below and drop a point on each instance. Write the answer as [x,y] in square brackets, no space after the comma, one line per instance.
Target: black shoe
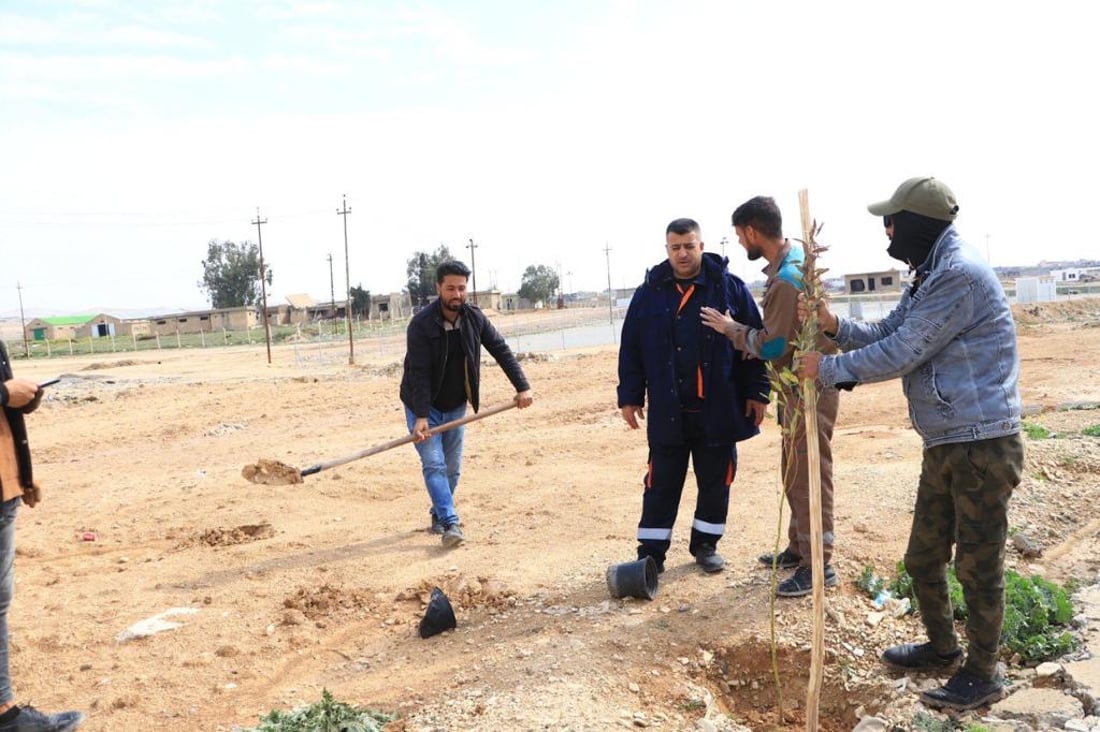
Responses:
[802,582]
[785,559]
[709,559]
[919,657]
[452,536]
[437,525]
[964,691]
[30,719]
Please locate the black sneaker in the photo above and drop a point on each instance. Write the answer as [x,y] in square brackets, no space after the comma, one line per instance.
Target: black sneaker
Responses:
[452,536]
[707,557]
[802,582]
[964,691]
[30,719]
[437,525]
[919,657]
[785,559]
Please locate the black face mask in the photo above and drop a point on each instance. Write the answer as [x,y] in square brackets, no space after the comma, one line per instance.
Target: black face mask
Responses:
[914,236]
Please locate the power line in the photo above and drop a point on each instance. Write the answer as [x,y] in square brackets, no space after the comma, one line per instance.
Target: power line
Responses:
[263,283]
[23,321]
[473,267]
[347,275]
[331,286]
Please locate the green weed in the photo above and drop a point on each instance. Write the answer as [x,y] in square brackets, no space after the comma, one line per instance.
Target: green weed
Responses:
[1036,431]
[327,715]
[870,583]
[1037,612]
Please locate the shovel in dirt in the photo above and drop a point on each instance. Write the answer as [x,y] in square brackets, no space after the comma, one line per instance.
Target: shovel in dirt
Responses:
[273,472]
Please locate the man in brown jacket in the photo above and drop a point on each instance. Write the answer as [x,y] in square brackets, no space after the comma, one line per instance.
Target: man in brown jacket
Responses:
[17,398]
[759,227]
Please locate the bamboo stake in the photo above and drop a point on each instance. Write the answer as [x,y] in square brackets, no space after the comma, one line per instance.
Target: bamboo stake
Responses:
[813,460]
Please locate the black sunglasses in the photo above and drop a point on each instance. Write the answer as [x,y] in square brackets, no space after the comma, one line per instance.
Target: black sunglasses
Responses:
[887,221]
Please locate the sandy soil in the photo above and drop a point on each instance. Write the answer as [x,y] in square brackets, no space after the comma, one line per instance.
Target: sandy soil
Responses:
[295,588]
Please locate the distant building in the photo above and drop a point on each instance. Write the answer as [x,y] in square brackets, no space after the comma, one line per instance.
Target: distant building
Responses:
[1035,289]
[98,326]
[62,327]
[394,306]
[867,283]
[67,327]
[195,321]
[1074,274]
[486,299]
[510,302]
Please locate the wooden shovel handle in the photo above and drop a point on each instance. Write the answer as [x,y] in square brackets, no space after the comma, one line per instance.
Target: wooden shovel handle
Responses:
[406,439]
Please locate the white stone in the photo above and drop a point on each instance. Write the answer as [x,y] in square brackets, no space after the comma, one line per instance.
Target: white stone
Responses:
[1048,669]
[870,724]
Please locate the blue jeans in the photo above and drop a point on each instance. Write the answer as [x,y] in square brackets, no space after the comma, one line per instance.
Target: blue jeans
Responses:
[441,461]
[7,585]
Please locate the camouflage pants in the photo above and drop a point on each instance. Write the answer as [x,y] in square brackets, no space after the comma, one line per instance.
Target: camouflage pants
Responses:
[962,499]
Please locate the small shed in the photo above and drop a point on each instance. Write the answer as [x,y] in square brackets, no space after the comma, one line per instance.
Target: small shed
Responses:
[61,327]
[867,283]
[99,326]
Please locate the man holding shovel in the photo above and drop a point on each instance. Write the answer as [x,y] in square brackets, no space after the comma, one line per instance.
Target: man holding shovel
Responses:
[441,376]
[17,398]
[952,340]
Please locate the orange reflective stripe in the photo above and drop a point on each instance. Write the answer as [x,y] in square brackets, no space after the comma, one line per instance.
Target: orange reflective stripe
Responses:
[685,295]
[699,380]
[729,472]
[649,474]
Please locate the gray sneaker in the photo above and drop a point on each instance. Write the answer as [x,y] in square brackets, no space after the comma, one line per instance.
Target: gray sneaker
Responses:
[452,536]
[30,719]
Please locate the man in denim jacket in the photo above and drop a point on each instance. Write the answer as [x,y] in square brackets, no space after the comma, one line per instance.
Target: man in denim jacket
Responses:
[952,339]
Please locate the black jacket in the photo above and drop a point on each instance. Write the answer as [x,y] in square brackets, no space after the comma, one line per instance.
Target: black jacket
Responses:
[15,421]
[647,357]
[426,356]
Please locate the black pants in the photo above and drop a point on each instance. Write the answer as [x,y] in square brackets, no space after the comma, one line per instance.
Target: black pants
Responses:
[715,467]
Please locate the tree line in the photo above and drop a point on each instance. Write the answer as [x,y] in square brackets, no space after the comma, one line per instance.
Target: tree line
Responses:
[231,277]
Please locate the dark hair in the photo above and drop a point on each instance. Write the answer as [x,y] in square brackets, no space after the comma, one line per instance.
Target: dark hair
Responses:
[451,267]
[762,214]
[683,226]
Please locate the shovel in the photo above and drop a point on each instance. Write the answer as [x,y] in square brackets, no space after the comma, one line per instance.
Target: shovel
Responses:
[273,472]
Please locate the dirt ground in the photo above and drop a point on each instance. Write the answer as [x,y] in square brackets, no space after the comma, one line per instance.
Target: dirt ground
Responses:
[291,589]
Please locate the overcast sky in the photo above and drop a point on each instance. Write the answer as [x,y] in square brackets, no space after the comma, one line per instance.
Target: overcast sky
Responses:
[132,133]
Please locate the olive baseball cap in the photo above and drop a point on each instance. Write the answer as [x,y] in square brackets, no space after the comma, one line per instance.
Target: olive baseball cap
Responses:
[924,196]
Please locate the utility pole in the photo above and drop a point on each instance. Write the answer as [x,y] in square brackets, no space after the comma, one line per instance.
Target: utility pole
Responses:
[724,246]
[263,281]
[610,294]
[22,321]
[347,275]
[473,267]
[331,287]
[988,259]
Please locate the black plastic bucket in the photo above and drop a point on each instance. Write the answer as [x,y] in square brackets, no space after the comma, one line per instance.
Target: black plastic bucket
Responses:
[633,579]
[439,616]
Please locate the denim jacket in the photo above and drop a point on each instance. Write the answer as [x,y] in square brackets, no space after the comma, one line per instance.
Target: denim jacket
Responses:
[952,339]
